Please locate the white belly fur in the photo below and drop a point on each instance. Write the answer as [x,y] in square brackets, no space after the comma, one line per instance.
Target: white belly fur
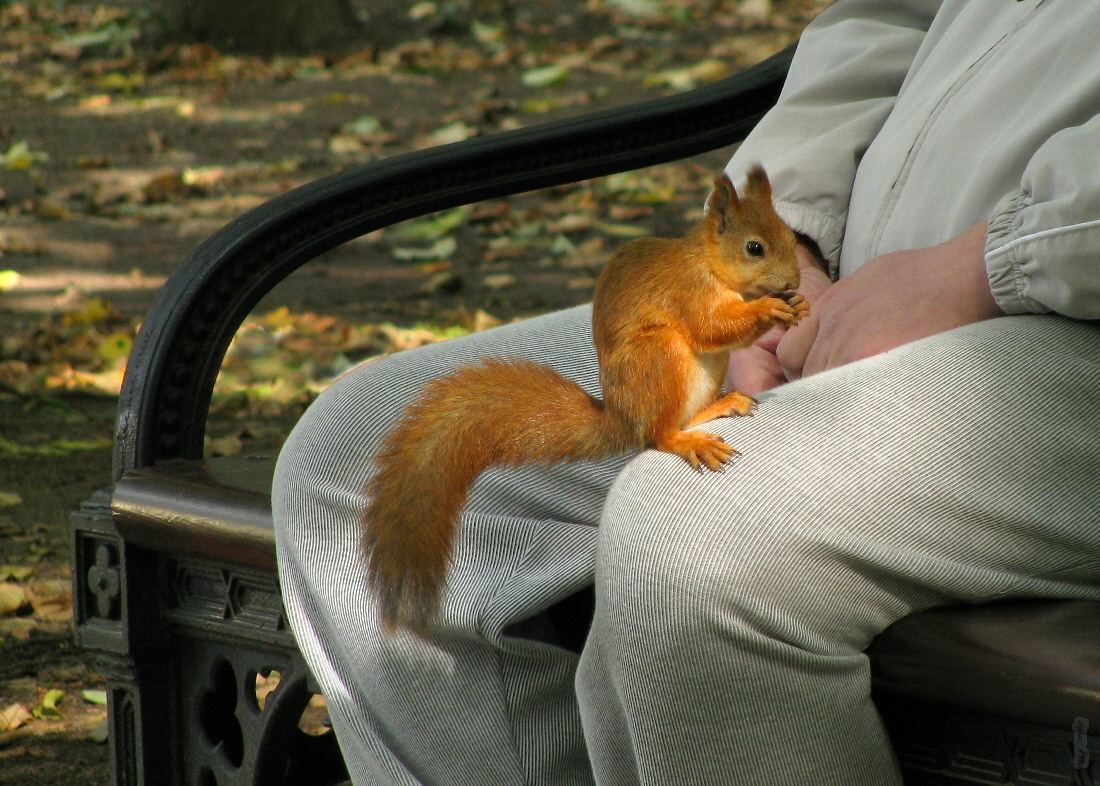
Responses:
[704,384]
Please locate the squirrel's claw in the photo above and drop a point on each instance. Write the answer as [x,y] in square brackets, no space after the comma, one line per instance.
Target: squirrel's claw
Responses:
[699,449]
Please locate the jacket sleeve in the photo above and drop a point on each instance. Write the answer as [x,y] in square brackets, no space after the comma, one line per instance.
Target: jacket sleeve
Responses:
[1043,241]
[850,64]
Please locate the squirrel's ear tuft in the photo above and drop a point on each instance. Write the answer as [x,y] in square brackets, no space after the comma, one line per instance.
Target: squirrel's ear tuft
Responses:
[758,185]
[721,204]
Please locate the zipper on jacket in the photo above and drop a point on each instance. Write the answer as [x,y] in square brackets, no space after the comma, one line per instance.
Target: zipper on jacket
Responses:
[878,228]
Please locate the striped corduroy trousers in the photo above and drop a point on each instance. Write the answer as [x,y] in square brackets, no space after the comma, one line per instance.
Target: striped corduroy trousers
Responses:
[732,609]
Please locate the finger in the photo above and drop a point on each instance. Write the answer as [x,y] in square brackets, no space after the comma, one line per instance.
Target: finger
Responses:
[795,347]
[753,370]
[770,340]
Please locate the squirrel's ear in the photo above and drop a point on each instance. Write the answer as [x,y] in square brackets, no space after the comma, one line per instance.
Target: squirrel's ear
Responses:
[758,185]
[721,204]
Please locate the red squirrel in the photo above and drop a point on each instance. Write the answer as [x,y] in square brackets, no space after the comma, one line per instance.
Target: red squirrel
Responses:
[665,315]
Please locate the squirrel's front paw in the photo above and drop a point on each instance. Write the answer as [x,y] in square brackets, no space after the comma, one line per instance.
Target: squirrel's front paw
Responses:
[789,307]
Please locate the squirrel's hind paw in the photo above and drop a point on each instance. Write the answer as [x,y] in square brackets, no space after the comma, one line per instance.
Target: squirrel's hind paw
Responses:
[699,449]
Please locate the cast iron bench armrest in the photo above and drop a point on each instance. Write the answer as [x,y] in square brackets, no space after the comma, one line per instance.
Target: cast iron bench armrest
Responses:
[183,339]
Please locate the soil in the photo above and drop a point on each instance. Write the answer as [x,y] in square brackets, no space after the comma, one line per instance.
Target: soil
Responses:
[152,146]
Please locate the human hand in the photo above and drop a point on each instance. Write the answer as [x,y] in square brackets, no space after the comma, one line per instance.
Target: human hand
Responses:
[892,300]
[756,368]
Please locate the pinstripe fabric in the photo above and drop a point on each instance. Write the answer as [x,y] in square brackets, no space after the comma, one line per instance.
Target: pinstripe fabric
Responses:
[475,706]
[731,609]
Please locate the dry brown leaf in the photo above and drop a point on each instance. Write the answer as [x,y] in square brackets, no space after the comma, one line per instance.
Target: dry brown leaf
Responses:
[13,716]
[165,187]
[499,281]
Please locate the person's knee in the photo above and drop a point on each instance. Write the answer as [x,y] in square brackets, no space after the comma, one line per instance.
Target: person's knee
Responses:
[685,555]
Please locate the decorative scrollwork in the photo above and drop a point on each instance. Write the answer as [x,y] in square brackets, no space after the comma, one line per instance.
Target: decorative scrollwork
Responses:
[105,582]
[204,594]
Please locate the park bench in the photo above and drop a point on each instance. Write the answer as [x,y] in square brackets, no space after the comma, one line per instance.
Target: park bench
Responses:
[175,590]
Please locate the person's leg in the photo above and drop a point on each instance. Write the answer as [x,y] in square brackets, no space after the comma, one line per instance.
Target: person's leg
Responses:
[483,702]
[732,609]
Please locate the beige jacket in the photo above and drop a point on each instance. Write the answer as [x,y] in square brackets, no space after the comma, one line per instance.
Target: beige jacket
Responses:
[905,122]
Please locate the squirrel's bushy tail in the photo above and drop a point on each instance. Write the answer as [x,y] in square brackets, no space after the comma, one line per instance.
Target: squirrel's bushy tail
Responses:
[493,412]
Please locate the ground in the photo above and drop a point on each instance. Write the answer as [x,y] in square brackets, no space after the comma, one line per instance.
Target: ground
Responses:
[120,151]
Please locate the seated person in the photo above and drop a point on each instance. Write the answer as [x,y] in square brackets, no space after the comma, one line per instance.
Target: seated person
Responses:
[927,436]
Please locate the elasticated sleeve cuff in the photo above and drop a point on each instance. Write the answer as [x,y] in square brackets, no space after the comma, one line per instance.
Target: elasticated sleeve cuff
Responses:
[1004,262]
[825,229]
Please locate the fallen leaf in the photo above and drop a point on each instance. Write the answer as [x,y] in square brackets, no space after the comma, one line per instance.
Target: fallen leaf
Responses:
[9,280]
[93,312]
[422,10]
[538,106]
[203,177]
[164,187]
[20,156]
[453,132]
[15,572]
[13,598]
[115,33]
[756,10]
[433,227]
[96,102]
[51,209]
[9,499]
[365,126]
[95,697]
[571,222]
[47,708]
[488,33]
[13,716]
[345,144]
[440,249]
[621,230]
[505,247]
[448,283]
[483,320]
[265,686]
[562,246]
[115,347]
[688,78]
[500,281]
[545,76]
[644,9]
[118,82]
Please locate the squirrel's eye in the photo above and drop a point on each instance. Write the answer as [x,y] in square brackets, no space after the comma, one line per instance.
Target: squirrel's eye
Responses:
[755,248]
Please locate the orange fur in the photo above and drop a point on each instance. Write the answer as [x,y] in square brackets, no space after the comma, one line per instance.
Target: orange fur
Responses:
[666,312]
